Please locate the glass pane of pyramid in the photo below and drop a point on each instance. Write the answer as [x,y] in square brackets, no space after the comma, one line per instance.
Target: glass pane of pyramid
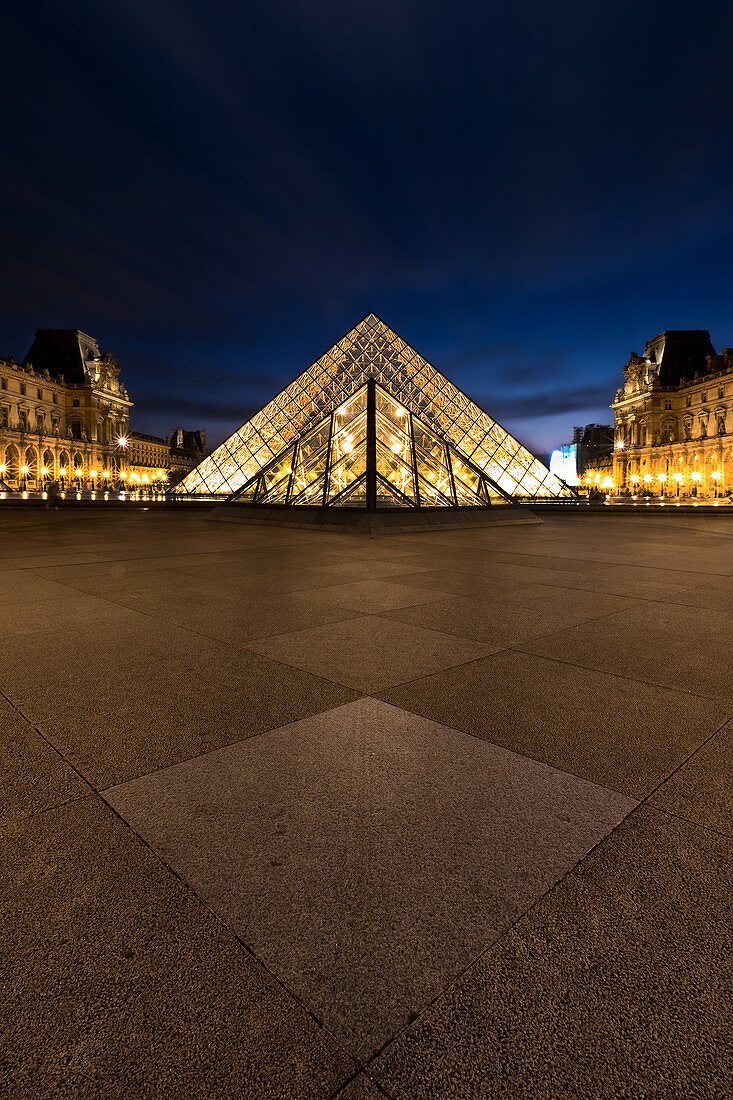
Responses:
[409,385]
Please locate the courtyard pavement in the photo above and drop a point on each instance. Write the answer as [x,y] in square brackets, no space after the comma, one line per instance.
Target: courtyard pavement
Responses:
[304,814]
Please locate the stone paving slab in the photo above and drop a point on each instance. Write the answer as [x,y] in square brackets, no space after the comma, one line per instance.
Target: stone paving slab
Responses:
[625,735]
[618,984]
[33,776]
[702,789]
[614,985]
[687,648]
[367,855]
[121,703]
[124,985]
[361,1088]
[504,622]
[370,653]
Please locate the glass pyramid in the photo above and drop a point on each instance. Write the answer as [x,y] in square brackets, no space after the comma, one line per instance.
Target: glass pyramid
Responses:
[449,453]
[370,452]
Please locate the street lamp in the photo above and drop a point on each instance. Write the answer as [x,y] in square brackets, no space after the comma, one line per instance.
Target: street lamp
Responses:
[62,475]
[24,472]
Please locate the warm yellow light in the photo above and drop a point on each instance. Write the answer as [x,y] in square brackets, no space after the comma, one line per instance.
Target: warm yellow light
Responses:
[92,473]
[145,477]
[44,470]
[662,476]
[164,476]
[715,476]
[122,441]
[596,478]
[24,469]
[677,477]
[608,481]
[647,477]
[696,475]
[620,445]
[123,475]
[62,471]
[395,448]
[348,446]
[105,473]
[634,478]
[159,473]
[77,473]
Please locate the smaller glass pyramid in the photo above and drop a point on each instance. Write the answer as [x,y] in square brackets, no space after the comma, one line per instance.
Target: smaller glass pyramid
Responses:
[371,452]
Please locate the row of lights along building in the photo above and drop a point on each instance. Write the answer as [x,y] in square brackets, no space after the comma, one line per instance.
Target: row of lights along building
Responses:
[65,421]
[673,419]
[672,435]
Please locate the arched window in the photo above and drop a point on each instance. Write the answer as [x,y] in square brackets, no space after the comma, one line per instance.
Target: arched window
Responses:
[31,461]
[12,463]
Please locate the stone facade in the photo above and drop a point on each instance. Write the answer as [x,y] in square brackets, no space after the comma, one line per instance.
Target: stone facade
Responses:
[62,409]
[673,419]
[154,459]
[65,415]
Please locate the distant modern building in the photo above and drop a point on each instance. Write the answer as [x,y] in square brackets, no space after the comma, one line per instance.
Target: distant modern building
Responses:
[65,415]
[595,448]
[673,418]
[372,425]
[588,460]
[564,463]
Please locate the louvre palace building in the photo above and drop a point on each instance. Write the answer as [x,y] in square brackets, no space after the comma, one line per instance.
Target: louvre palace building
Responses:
[65,416]
[673,419]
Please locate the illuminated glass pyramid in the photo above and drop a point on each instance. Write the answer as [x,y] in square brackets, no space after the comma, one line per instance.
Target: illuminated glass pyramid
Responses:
[372,425]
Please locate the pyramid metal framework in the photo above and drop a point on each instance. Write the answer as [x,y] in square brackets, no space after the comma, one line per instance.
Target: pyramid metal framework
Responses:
[431,446]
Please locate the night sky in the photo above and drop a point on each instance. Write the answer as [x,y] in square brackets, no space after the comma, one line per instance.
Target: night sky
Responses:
[526,192]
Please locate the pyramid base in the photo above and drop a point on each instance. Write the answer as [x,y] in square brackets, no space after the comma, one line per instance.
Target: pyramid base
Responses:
[358,522]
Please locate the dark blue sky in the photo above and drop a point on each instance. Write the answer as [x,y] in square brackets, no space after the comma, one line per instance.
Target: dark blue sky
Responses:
[218,191]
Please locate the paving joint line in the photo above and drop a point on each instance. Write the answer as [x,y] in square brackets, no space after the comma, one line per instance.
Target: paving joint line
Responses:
[189,889]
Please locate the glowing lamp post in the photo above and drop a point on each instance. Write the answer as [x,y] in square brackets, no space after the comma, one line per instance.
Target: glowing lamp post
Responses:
[62,477]
[78,476]
[716,478]
[24,472]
